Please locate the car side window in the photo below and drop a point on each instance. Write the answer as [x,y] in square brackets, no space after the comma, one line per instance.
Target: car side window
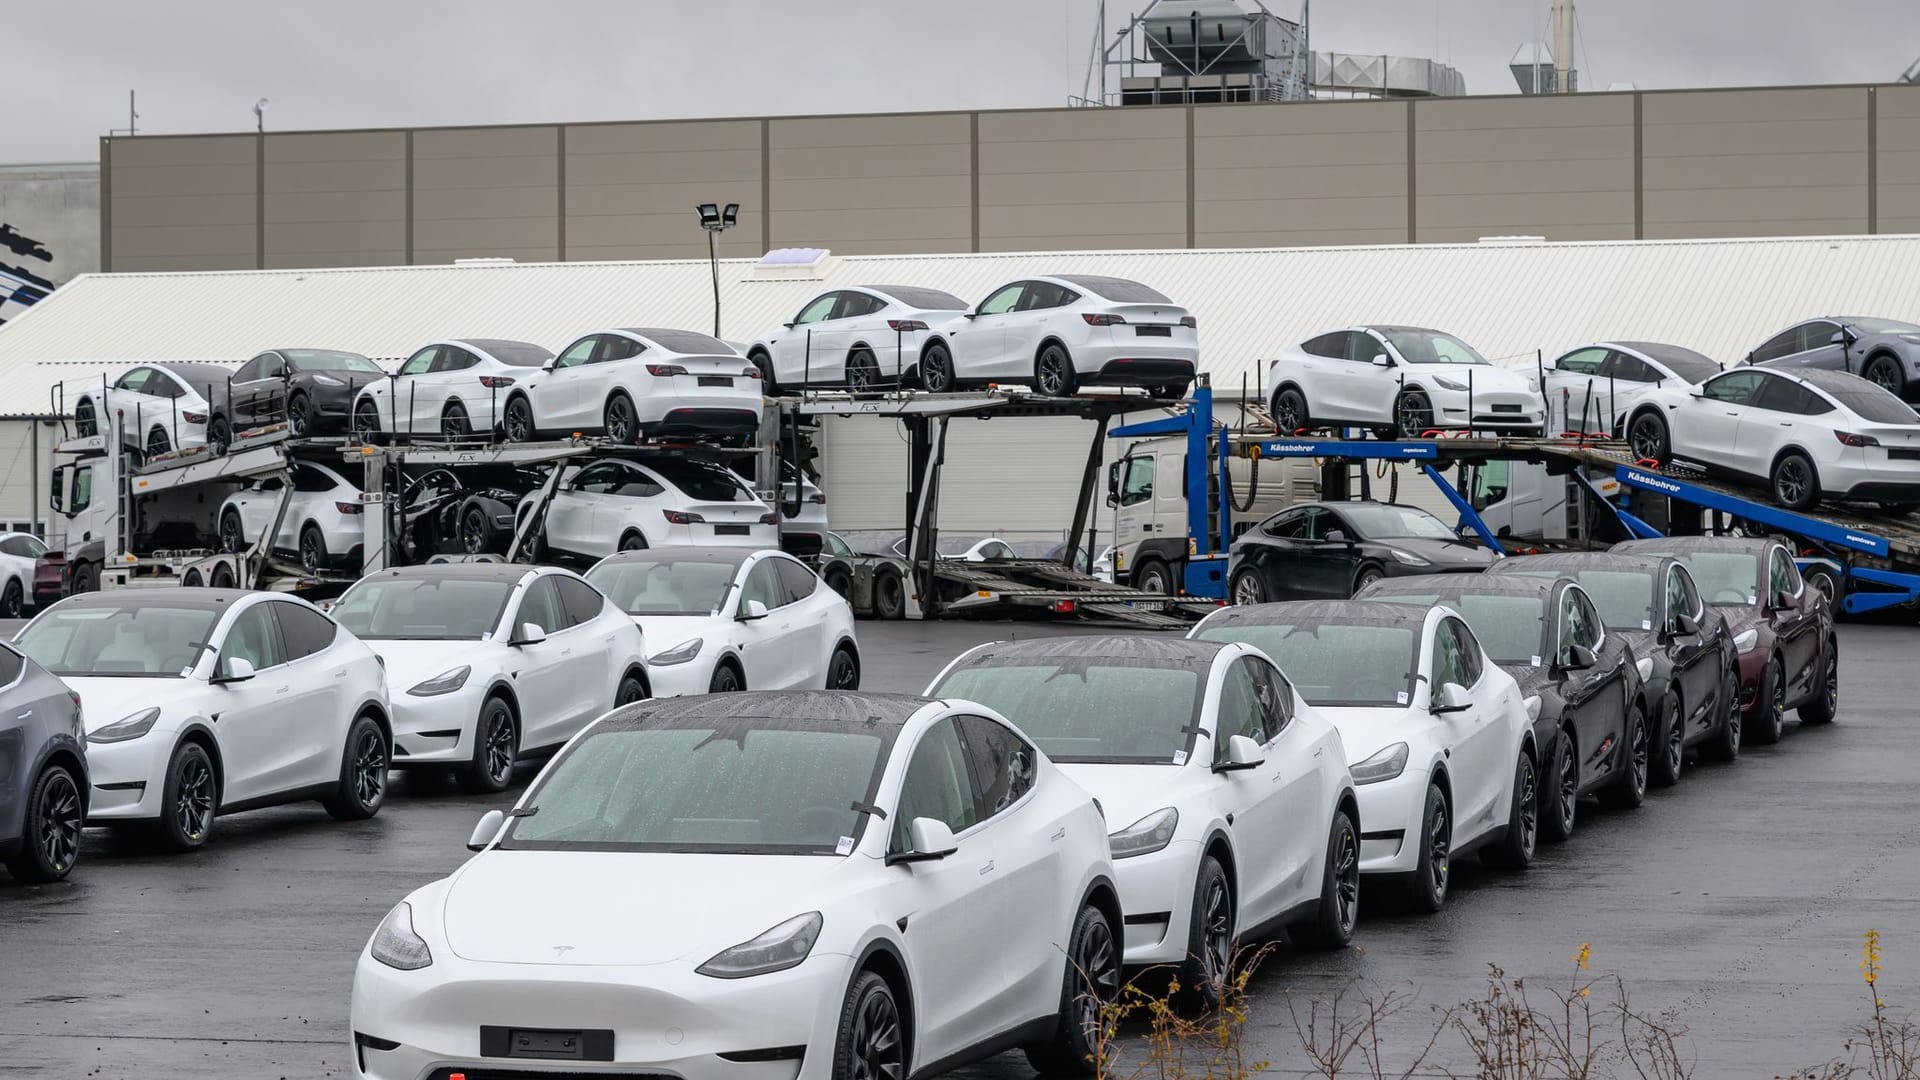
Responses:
[819,311]
[1138,484]
[579,601]
[1579,623]
[11,665]
[1002,302]
[1003,764]
[1332,346]
[1632,369]
[1467,650]
[1446,658]
[1239,712]
[421,362]
[134,381]
[452,359]
[1275,695]
[255,638]
[1817,334]
[636,485]
[616,347]
[309,479]
[1681,597]
[796,581]
[996,551]
[253,369]
[763,584]
[854,304]
[1582,361]
[540,605]
[161,384]
[1290,525]
[1777,346]
[1362,347]
[578,353]
[937,784]
[1734,388]
[1782,574]
[1045,294]
[600,479]
[1784,395]
[303,630]
[837,546]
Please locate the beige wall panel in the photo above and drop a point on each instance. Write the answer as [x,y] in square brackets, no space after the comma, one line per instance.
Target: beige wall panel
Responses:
[632,188]
[1110,239]
[140,183]
[1755,163]
[1278,175]
[1760,170]
[1319,215]
[1598,176]
[1360,149]
[172,259]
[1498,211]
[343,207]
[665,235]
[232,243]
[486,203]
[330,147]
[484,142]
[1091,178]
[1091,219]
[1243,238]
[1026,189]
[1714,107]
[1897,132]
[1324,118]
[432,175]
[1460,116]
[1297,183]
[1556,229]
[521,232]
[667,137]
[875,131]
[907,160]
[665,167]
[1761,204]
[615,200]
[294,178]
[909,227]
[1754,135]
[1747,227]
[182,210]
[1098,125]
[1103,158]
[340,236]
[1560,167]
[150,152]
[879,192]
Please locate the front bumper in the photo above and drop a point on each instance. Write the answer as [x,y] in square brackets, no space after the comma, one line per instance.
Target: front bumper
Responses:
[694,676]
[665,1018]
[128,778]
[1753,678]
[435,730]
[1392,810]
[1156,892]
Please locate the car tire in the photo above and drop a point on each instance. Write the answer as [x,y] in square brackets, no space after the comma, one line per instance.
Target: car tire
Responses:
[453,421]
[1794,482]
[1827,584]
[313,549]
[1367,576]
[1560,792]
[863,372]
[769,383]
[517,422]
[1427,891]
[1825,704]
[1412,414]
[363,773]
[1290,412]
[1884,371]
[631,689]
[936,369]
[1669,748]
[1332,925]
[633,541]
[620,421]
[476,532]
[840,580]
[843,670]
[1771,717]
[1515,849]
[1153,576]
[1247,588]
[299,416]
[51,841]
[1724,746]
[233,534]
[1053,373]
[157,442]
[871,1040]
[496,746]
[366,419]
[1092,980]
[219,435]
[726,679]
[85,423]
[889,595]
[1629,788]
[189,799]
[1648,437]
[13,599]
[1212,935]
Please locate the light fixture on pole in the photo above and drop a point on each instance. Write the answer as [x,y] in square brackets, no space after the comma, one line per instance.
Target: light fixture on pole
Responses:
[260,116]
[716,221]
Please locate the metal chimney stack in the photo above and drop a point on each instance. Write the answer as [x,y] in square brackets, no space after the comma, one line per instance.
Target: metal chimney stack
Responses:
[1565,79]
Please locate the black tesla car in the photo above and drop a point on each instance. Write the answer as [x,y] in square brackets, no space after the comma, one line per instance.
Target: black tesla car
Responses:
[467,514]
[311,389]
[1681,646]
[1582,684]
[1330,550]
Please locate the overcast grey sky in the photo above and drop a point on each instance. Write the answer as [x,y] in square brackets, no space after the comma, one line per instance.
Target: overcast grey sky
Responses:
[200,64]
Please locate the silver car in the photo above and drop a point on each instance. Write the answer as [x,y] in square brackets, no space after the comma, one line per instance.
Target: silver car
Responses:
[1884,351]
[43,771]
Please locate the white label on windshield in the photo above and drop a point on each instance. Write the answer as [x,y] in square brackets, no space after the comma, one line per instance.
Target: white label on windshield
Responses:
[186,672]
[844,847]
[1646,624]
[1753,598]
[1400,698]
[1536,661]
[1179,757]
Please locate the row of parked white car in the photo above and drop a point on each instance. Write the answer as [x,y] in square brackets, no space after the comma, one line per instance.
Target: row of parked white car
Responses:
[1803,427]
[194,702]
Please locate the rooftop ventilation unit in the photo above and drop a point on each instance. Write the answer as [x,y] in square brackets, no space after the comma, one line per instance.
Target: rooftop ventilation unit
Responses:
[1187,52]
[793,264]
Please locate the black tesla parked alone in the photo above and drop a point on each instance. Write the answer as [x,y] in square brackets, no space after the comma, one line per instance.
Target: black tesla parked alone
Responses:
[1681,646]
[1330,550]
[1582,684]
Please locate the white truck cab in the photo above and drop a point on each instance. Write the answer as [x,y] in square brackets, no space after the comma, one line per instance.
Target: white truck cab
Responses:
[1521,501]
[1148,490]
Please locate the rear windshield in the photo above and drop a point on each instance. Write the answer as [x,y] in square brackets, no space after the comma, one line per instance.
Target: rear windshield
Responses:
[423,609]
[1872,403]
[926,299]
[1118,290]
[1685,363]
[1090,709]
[690,343]
[1334,664]
[128,640]
[516,354]
[700,481]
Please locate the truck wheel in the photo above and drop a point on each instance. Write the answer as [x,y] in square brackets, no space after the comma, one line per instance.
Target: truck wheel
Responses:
[222,576]
[1153,576]
[889,595]
[839,580]
[85,578]
[1827,584]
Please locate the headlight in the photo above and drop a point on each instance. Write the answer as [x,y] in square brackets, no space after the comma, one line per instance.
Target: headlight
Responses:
[1745,640]
[396,945]
[130,728]
[1449,384]
[1384,765]
[1533,707]
[444,683]
[1146,836]
[1409,558]
[328,380]
[679,654]
[1644,666]
[778,949]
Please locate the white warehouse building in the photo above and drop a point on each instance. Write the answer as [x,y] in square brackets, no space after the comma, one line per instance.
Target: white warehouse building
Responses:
[1512,298]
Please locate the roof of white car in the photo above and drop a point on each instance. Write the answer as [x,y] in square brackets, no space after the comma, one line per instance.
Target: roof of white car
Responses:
[829,706]
[1337,612]
[1670,545]
[676,553]
[172,596]
[1162,650]
[462,571]
[690,342]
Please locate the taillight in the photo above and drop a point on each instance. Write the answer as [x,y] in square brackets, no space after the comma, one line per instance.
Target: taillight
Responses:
[194,417]
[769,518]
[1063,607]
[682,517]
[496,382]
[904,325]
[1848,438]
[661,371]
[1095,318]
[347,507]
[1190,323]
[751,372]
[818,497]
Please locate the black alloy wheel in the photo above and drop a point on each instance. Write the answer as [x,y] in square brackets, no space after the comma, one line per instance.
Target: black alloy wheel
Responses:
[366,419]
[1884,371]
[1331,926]
[1096,970]
[1724,745]
[1629,788]
[1515,850]
[219,435]
[871,1043]
[1413,414]
[843,671]
[54,820]
[763,363]
[370,769]
[1672,758]
[496,746]
[1429,887]
[1367,577]
[453,421]
[363,781]
[936,369]
[631,690]
[1771,717]
[13,600]
[475,531]
[157,442]
[190,799]
[518,423]
[1248,588]
[633,541]
[313,549]
[863,372]
[1211,934]
[232,535]
[1647,437]
[621,423]
[1562,809]
[1826,705]
[1053,373]
[1794,484]
[1290,411]
[299,416]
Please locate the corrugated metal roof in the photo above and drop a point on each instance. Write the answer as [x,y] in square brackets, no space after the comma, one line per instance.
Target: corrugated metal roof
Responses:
[1721,297]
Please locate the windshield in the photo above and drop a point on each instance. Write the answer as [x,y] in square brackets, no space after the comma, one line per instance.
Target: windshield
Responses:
[700,481]
[329,360]
[1432,347]
[423,609]
[1382,522]
[665,586]
[1334,664]
[1885,326]
[1725,577]
[1624,597]
[1090,709]
[129,640]
[1118,290]
[697,785]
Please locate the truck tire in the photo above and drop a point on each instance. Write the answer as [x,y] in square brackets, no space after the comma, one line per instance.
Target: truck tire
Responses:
[85,578]
[1154,576]
[889,595]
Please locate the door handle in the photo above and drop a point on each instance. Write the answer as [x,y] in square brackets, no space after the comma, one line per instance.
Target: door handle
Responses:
[340,674]
[283,690]
[28,715]
[987,869]
[566,652]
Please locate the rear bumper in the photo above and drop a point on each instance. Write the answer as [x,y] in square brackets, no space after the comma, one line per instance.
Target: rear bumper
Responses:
[1886,491]
[693,420]
[1142,371]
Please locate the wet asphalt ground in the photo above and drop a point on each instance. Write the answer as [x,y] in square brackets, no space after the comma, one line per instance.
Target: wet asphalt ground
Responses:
[1732,906]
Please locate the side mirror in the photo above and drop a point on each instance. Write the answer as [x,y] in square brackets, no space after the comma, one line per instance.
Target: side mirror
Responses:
[969,315]
[927,839]
[486,830]
[1686,623]
[1579,658]
[530,634]
[1451,698]
[234,669]
[551,364]
[1380,360]
[751,610]
[1242,753]
[790,325]
[1337,536]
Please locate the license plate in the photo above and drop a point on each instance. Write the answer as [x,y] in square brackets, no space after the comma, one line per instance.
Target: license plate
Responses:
[732,530]
[716,380]
[1153,331]
[546,1044]
[1506,408]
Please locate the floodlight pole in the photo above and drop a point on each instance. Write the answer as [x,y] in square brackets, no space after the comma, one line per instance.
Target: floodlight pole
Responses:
[713,257]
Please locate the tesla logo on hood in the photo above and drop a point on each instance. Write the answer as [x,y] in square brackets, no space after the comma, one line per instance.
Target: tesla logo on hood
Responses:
[561,950]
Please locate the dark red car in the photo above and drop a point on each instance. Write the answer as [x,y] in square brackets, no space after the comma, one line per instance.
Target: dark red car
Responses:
[1782,629]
